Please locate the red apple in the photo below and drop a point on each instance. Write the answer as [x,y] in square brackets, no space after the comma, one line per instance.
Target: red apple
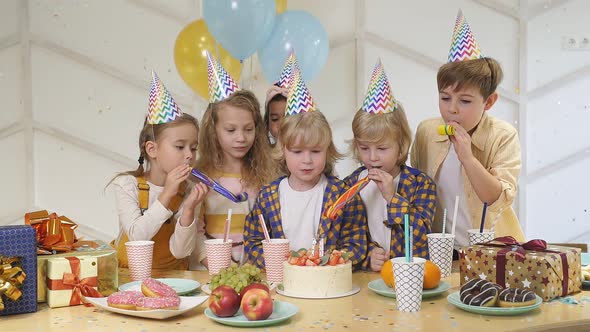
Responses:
[257,304]
[224,301]
[253,286]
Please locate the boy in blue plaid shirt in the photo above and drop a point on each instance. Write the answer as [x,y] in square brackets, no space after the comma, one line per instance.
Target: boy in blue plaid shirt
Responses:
[293,206]
[381,142]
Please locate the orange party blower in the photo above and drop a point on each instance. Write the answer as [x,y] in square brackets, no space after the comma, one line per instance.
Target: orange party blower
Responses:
[339,204]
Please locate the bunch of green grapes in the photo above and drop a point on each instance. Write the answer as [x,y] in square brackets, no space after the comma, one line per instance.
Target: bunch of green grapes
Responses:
[237,277]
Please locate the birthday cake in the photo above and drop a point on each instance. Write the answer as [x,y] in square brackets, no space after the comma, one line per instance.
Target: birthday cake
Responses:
[317,277]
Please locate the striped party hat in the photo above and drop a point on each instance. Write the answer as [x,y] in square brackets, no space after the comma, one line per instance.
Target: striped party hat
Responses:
[379,98]
[221,84]
[287,72]
[299,99]
[162,107]
[463,45]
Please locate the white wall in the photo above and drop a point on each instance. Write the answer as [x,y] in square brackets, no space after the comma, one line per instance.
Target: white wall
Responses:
[74,90]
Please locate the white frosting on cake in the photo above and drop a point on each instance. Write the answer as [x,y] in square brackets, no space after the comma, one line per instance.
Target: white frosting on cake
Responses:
[317,281]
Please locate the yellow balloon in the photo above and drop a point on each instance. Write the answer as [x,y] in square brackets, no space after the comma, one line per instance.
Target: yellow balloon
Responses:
[281,6]
[191,60]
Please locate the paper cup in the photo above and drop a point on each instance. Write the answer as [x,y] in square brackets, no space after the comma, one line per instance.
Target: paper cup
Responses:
[140,255]
[275,253]
[218,254]
[476,237]
[409,281]
[440,250]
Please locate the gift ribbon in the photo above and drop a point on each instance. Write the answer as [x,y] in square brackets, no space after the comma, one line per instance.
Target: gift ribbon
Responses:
[332,211]
[53,232]
[509,244]
[11,278]
[242,197]
[72,281]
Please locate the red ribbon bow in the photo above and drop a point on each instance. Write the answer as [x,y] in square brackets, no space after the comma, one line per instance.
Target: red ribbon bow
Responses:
[72,281]
[509,244]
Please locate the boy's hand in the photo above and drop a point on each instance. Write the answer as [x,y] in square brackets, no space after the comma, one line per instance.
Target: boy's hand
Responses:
[461,142]
[378,258]
[384,182]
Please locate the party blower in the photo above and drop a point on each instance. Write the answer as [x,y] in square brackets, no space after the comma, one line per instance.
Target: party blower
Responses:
[242,197]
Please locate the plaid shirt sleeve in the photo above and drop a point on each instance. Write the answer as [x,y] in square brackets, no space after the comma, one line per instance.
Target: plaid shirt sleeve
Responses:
[354,230]
[420,208]
[253,233]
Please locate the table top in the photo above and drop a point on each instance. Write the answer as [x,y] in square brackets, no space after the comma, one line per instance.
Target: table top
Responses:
[365,310]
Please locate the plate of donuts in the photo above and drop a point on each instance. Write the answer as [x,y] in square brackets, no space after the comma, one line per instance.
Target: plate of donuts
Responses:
[486,298]
[187,303]
[181,286]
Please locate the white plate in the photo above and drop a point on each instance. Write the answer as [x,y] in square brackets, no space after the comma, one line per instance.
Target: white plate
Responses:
[187,303]
[355,289]
[207,289]
[181,286]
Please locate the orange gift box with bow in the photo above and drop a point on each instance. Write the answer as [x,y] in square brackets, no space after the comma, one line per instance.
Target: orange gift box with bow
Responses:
[70,279]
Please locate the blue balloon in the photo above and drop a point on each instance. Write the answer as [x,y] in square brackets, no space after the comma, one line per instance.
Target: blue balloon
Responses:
[302,32]
[240,26]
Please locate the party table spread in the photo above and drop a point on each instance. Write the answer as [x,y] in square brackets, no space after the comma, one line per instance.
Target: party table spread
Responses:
[363,311]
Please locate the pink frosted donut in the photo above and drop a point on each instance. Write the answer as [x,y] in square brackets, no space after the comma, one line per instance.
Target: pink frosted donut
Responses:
[124,300]
[151,303]
[154,288]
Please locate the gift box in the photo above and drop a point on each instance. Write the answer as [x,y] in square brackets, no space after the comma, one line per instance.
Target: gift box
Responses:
[549,271]
[70,278]
[107,266]
[18,266]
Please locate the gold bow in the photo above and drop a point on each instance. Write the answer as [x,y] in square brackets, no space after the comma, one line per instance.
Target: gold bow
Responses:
[11,278]
[53,233]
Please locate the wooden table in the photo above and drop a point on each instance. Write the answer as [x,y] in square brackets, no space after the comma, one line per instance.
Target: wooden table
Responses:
[365,311]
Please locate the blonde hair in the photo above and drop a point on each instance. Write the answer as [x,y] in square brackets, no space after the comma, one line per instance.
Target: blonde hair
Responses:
[153,132]
[376,128]
[484,74]
[256,170]
[308,129]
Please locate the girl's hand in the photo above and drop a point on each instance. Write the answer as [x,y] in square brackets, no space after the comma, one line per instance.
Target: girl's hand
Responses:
[461,142]
[196,196]
[378,258]
[384,182]
[173,180]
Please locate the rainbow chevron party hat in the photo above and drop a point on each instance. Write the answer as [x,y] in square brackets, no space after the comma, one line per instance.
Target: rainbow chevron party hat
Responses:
[287,72]
[221,84]
[463,45]
[162,107]
[379,99]
[299,99]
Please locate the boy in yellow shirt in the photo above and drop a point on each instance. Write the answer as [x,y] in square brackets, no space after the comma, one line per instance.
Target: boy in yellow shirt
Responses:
[480,162]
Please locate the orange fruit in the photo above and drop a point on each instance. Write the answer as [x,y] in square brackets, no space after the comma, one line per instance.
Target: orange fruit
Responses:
[431,275]
[387,274]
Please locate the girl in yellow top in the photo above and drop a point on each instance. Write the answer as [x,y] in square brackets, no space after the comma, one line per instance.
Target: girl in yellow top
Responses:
[154,203]
[234,150]
[481,161]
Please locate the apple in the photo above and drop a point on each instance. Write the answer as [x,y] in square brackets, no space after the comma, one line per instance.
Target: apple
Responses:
[252,286]
[257,304]
[224,301]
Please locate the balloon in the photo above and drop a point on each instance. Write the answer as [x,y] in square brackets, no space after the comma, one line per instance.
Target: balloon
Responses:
[281,6]
[242,26]
[191,60]
[301,31]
